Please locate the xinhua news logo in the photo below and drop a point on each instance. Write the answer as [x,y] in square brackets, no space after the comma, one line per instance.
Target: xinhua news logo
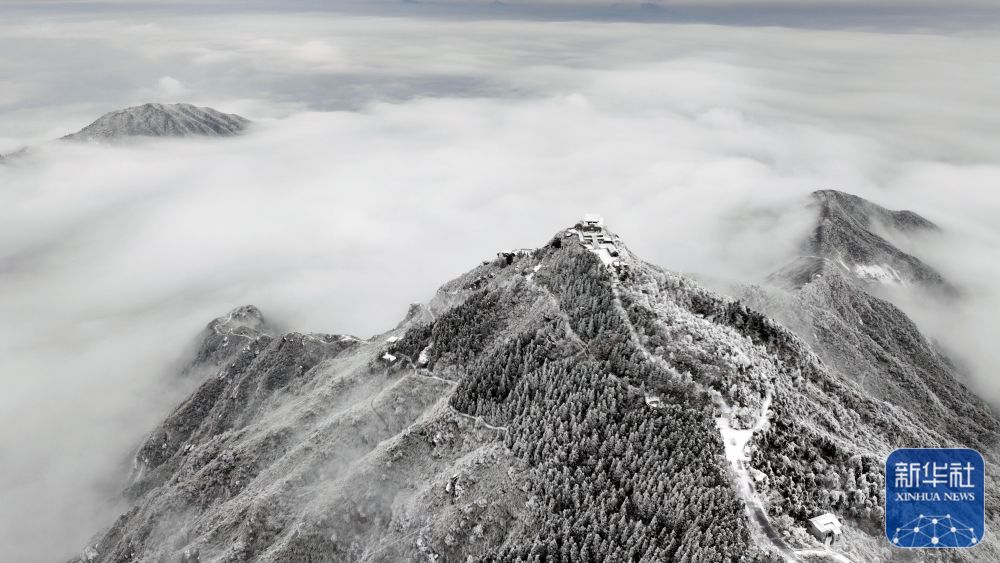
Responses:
[935,498]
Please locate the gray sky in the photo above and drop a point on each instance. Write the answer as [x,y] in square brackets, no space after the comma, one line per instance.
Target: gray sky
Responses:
[393,153]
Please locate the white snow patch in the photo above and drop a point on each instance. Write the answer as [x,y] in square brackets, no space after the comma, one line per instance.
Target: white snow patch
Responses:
[734,441]
[424,357]
[883,274]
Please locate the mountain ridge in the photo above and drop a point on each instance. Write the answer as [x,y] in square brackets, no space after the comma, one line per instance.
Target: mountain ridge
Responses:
[849,322]
[846,236]
[568,401]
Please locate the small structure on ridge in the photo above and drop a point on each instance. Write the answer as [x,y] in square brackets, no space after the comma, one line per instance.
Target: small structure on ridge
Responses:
[825,527]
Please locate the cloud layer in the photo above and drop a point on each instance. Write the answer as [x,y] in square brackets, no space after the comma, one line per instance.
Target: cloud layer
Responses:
[391,154]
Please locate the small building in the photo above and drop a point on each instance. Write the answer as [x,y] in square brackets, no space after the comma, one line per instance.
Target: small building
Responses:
[653,401]
[825,527]
[592,222]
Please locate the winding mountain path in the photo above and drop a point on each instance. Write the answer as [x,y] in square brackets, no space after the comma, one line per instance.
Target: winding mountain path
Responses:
[735,443]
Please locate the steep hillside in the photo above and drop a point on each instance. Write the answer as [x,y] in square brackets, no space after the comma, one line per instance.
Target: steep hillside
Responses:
[873,342]
[570,403]
[302,445]
[845,319]
[848,236]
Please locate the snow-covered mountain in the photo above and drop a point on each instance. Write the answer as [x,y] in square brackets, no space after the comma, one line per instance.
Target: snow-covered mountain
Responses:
[154,120]
[849,237]
[844,317]
[570,403]
[162,120]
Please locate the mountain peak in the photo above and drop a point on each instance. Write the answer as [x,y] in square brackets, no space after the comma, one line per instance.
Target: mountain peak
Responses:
[593,234]
[162,120]
[244,316]
[554,377]
[849,235]
[868,214]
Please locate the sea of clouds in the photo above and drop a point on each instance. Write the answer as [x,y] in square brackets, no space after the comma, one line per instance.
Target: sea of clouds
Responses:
[390,154]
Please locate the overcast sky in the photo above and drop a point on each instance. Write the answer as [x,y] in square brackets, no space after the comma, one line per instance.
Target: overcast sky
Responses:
[390,154]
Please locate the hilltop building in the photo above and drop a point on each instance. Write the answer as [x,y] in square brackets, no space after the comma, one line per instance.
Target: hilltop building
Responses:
[825,527]
[592,222]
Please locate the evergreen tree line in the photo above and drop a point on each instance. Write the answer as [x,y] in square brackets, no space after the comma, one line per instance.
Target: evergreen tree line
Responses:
[612,479]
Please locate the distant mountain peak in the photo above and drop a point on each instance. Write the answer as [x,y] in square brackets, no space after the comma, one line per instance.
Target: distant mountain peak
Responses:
[162,120]
[849,236]
[244,316]
[867,213]
[9,157]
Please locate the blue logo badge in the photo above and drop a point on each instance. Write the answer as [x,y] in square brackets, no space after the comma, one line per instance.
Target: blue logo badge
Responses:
[934,497]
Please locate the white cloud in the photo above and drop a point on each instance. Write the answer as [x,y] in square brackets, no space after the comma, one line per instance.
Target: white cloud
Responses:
[468,137]
[170,87]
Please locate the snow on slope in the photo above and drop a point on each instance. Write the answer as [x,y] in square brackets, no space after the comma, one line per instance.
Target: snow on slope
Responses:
[162,120]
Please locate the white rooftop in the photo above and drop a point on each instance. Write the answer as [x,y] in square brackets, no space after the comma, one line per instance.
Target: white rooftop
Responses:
[825,521]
